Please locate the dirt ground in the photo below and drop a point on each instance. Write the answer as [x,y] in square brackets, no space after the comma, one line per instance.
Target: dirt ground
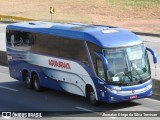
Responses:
[144,18]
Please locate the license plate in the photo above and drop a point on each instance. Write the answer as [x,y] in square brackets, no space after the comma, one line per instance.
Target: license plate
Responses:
[133,97]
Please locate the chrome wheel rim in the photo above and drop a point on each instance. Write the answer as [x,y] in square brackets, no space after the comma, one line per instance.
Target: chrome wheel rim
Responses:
[28,80]
[92,97]
[36,83]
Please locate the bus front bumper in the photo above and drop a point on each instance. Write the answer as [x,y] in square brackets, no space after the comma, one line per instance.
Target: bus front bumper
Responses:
[113,95]
[119,96]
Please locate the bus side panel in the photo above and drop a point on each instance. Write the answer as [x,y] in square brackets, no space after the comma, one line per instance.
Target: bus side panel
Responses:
[49,77]
[15,60]
[69,74]
[46,81]
[62,78]
[17,63]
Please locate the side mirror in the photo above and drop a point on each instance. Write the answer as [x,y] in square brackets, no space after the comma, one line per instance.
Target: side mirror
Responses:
[153,54]
[104,60]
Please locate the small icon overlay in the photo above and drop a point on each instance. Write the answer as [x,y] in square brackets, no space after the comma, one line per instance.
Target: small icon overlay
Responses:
[6,114]
[9,115]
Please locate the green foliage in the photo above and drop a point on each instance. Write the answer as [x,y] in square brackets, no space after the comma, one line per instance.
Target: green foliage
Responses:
[133,3]
[142,2]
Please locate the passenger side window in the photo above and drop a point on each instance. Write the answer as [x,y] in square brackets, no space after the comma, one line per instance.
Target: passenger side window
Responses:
[19,39]
[92,49]
[60,47]
[97,62]
[100,69]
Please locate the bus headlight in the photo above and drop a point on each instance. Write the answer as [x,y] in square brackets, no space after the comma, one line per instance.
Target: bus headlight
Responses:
[149,87]
[114,91]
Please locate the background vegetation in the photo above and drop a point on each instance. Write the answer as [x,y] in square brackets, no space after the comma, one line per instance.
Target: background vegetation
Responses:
[136,15]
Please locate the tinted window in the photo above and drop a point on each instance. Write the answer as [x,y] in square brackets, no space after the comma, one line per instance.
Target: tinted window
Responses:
[100,69]
[19,39]
[48,45]
[92,49]
[44,45]
[60,47]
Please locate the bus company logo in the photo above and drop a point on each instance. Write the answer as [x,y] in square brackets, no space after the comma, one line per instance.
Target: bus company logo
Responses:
[59,64]
[133,91]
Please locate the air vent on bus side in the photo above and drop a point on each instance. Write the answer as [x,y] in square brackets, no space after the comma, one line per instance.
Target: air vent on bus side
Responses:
[32,23]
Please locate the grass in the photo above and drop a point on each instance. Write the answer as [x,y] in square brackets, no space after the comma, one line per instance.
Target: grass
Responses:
[133,4]
[135,8]
[70,17]
[137,15]
[142,2]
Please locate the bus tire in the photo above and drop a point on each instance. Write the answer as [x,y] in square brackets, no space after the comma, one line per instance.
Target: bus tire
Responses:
[27,80]
[91,96]
[36,82]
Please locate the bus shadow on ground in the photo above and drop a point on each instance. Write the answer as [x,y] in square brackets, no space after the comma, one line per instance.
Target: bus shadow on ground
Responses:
[96,111]
[69,99]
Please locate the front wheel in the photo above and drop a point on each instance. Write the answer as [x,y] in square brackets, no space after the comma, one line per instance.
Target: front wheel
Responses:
[36,82]
[92,97]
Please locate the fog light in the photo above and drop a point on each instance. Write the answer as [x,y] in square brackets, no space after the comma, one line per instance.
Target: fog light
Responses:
[112,98]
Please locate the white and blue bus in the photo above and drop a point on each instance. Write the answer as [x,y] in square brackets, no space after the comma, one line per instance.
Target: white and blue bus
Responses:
[101,63]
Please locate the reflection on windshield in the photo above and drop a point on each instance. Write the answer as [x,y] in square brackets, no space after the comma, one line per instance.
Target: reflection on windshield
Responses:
[127,64]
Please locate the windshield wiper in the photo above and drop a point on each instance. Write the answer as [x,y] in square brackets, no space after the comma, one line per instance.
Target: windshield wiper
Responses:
[140,77]
[128,74]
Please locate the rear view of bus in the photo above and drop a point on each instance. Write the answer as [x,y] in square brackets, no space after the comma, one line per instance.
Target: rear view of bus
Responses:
[101,63]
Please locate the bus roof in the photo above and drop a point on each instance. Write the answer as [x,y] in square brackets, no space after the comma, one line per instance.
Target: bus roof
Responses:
[103,36]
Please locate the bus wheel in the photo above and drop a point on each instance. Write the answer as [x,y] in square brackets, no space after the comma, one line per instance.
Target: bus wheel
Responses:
[36,83]
[92,97]
[28,80]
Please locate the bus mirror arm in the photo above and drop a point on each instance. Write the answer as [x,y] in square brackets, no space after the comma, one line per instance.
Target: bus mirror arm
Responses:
[153,54]
[104,60]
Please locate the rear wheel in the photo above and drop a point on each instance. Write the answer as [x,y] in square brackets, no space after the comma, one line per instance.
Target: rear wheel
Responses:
[28,80]
[36,82]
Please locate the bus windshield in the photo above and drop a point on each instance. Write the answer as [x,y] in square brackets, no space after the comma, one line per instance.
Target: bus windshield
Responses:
[128,64]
